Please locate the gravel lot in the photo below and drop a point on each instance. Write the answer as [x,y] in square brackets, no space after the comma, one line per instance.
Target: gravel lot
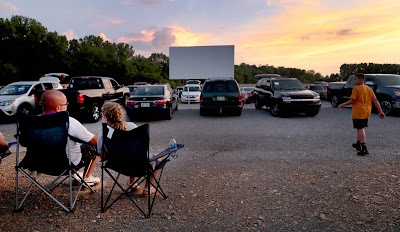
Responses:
[248,173]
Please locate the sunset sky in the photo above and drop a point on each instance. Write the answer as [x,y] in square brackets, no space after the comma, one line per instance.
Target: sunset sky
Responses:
[317,35]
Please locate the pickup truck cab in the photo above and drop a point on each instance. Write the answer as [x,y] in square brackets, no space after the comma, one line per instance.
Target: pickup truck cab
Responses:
[19,97]
[285,95]
[87,94]
[386,88]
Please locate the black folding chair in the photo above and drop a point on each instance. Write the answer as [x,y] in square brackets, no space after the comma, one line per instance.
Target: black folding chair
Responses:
[127,153]
[45,138]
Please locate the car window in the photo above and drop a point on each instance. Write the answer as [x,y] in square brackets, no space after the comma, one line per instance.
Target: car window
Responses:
[149,90]
[192,89]
[350,81]
[48,86]
[316,87]
[86,83]
[37,87]
[15,89]
[114,84]
[389,80]
[220,87]
[247,89]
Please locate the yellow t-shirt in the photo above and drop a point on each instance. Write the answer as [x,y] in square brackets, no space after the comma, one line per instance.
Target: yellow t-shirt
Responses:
[363,95]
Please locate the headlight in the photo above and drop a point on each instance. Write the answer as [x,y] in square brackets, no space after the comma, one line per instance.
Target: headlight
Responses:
[397,93]
[6,103]
[316,97]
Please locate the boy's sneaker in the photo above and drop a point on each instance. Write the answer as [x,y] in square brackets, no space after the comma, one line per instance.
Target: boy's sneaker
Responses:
[357,146]
[363,152]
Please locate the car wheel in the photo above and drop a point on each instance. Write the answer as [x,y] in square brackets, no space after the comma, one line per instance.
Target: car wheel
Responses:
[335,101]
[275,109]
[94,114]
[312,113]
[257,104]
[25,109]
[168,113]
[386,106]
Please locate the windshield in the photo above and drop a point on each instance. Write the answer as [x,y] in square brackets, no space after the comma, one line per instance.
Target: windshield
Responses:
[390,80]
[15,89]
[149,90]
[287,85]
[220,87]
[192,89]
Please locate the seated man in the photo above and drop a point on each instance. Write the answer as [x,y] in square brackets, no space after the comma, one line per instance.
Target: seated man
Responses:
[55,101]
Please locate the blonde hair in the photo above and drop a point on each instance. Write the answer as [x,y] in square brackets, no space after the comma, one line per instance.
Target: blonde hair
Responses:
[114,113]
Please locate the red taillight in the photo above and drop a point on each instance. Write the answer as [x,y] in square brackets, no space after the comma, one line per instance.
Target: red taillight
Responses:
[160,102]
[201,98]
[240,98]
[80,99]
[131,103]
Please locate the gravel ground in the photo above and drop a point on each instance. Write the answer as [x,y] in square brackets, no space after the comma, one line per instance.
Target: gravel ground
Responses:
[248,173]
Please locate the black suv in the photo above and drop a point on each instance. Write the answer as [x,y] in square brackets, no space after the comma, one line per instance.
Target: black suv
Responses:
[286,95]
[221,96]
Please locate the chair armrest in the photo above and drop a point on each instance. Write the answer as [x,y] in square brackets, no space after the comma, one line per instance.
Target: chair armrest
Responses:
[166,152]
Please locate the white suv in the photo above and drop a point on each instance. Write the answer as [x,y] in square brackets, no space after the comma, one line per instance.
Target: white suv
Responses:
[19,96]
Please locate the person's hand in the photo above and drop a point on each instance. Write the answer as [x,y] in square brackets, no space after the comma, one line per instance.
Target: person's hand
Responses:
[1,136]
[340,106]
[381,115]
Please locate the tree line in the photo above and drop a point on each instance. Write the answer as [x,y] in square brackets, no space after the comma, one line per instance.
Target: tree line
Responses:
[29,50]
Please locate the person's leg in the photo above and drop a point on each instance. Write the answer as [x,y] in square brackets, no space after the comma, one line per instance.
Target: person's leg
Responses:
[361,136]
[155,174]
[90,169]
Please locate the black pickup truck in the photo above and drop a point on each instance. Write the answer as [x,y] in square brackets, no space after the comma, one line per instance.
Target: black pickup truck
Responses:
[86,95]
[385,86]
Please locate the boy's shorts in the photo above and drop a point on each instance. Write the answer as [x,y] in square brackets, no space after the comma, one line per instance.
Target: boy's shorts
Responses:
[360,123]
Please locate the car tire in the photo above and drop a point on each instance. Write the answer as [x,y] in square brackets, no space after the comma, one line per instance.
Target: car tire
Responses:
[25,109]
[257,104]
[312,113]
[335,101]
[94,113]
[386,106]
[168,113]
[275,109]
[202,112]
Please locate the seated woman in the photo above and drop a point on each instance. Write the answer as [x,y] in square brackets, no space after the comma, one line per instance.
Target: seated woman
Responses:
[113,115]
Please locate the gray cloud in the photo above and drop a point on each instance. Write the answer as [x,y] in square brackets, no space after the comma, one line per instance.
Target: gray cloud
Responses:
[163,38]
[344,32]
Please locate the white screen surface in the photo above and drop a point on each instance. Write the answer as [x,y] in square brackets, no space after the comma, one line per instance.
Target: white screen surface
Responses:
[201,62]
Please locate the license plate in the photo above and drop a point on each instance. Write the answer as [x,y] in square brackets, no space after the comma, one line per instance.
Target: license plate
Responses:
[220,98]
[145,104]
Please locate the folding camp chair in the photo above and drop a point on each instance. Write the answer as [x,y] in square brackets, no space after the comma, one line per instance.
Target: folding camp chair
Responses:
[127,153]
[45,138]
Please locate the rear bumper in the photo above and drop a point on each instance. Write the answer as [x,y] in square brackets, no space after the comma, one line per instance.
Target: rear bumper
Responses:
[298,107]
[220,109]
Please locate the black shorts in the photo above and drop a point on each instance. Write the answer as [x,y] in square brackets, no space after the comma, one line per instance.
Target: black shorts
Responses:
[88,154]
[360,123]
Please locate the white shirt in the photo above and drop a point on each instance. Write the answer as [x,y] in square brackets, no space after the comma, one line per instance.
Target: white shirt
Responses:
[129,126]
[77,130]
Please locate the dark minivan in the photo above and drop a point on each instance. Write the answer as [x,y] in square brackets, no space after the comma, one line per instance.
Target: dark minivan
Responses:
[220,96]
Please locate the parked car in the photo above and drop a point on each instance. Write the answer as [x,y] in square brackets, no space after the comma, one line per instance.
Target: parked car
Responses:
[247,94]
[385,86]
[286,95]
[62,78]
[152,100]
[318,89]
[19,97]
[191,93]
[221,95]
[324,84]
[260,76]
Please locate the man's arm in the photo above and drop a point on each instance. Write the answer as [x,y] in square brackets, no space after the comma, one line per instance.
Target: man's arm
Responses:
[3,142]
[93,141]
[378,107]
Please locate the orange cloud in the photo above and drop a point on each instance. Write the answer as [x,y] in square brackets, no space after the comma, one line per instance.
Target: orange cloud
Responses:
[70,34]
[322,38]
[185,37]
[104,37]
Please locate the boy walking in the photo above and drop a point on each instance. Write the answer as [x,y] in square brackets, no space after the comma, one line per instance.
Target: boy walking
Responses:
[361,100]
